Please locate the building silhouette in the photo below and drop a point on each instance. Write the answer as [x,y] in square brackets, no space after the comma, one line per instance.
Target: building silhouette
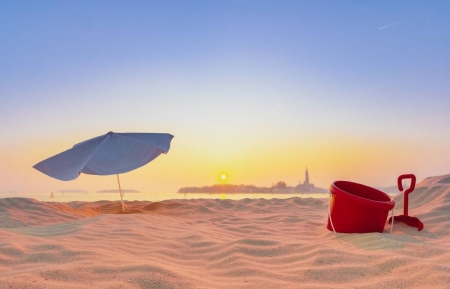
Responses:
[305,187]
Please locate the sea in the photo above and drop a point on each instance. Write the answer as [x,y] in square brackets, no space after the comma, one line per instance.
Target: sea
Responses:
[152,197]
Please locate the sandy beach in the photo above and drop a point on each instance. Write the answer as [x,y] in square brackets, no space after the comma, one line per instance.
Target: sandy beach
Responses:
[205,243]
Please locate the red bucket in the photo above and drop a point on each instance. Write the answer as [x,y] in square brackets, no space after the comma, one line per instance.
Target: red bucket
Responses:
[356,208]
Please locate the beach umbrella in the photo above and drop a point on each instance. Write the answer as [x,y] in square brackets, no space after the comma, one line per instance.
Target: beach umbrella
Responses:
[109,154]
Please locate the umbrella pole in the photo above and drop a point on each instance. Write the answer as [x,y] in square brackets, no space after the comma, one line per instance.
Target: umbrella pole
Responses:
[120,190]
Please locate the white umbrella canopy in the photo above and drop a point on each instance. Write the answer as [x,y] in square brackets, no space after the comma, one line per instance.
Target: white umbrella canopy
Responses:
[109,154]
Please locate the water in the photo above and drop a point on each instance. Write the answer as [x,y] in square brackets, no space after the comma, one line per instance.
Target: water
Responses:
[153,197]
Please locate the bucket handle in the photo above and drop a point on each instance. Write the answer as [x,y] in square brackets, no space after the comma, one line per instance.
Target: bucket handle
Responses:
[329,211]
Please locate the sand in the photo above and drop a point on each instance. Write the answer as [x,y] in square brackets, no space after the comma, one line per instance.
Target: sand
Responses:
[204,243]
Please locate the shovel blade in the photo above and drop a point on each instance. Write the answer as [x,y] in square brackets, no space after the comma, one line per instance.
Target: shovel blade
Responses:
[408,220]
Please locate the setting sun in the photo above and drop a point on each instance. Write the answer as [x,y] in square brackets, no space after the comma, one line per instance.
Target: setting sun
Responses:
[223,177]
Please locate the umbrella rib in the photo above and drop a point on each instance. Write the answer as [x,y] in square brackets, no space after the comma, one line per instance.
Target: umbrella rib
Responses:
[93,153]
[164,151]
[91,139]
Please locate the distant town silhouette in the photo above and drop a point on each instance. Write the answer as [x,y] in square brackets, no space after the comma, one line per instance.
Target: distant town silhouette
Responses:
[279,188]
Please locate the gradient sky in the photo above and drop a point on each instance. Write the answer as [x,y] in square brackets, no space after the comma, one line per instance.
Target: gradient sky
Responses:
[356,90]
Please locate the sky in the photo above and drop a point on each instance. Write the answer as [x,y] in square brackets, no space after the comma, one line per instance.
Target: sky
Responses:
[258,90]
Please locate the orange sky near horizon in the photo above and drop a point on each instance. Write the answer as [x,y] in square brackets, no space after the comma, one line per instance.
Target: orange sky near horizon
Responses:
[256,162]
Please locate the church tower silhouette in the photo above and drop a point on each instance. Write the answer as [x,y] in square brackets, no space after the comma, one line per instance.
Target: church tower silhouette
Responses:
[306,177]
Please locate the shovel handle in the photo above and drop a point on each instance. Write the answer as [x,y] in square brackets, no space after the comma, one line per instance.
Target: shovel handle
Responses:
[409,190]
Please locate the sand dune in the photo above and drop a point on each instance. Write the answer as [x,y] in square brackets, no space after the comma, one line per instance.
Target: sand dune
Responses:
[208,243]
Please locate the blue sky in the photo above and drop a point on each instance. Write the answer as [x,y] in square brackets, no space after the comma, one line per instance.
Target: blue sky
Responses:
[340,86]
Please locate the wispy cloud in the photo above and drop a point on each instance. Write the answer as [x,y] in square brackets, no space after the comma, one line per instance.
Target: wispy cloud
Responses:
[389,26]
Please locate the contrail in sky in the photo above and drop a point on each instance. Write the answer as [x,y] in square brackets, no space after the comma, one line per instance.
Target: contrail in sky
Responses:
[389,26]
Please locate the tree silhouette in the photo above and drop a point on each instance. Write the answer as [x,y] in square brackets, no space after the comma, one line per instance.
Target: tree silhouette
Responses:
[281,185]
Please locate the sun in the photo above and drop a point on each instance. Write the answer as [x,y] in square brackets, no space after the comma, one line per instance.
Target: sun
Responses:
[223,177]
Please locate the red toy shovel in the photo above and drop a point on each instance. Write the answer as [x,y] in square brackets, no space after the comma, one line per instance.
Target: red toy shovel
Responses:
[408,220]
